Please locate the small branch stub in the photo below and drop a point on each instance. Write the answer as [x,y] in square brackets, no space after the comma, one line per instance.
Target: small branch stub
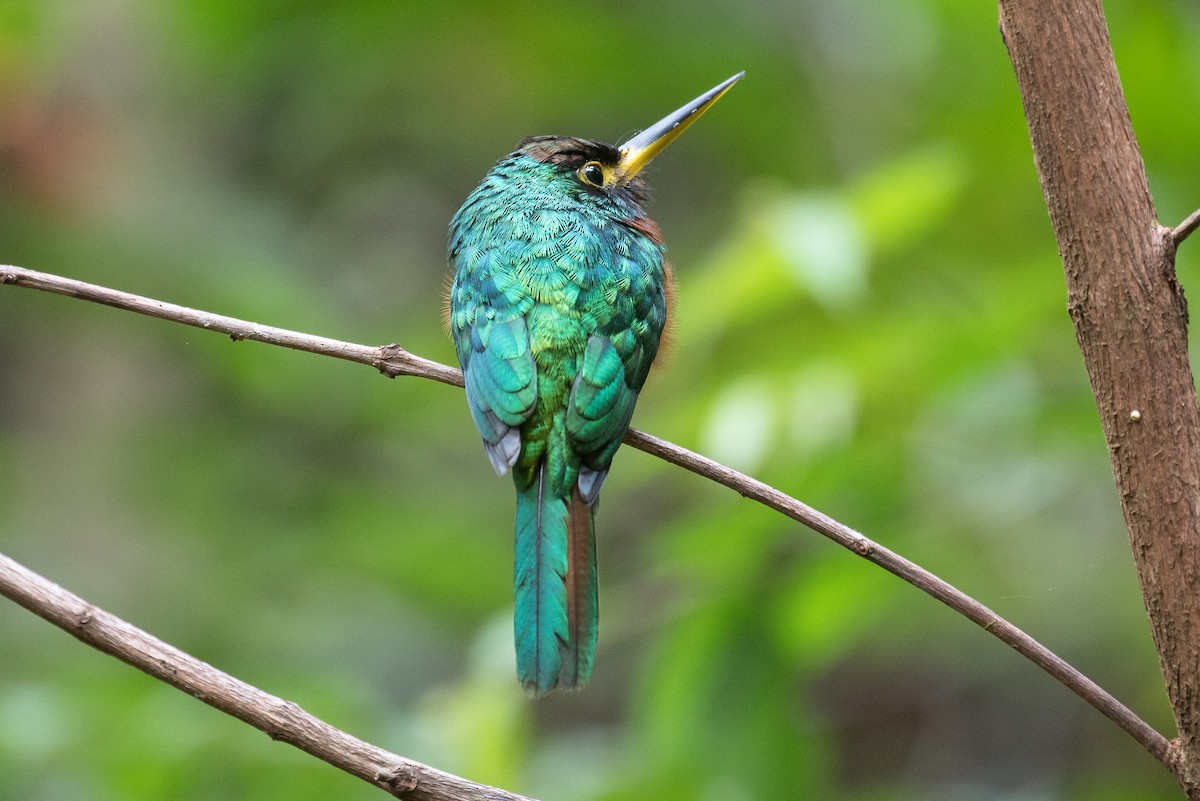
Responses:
[1186,228]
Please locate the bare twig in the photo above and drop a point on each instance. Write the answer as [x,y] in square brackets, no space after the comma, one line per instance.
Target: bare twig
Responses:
[392,360]
[279,719]
[1185,228]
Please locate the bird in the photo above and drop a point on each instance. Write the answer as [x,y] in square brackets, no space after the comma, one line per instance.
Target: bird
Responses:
[560,294]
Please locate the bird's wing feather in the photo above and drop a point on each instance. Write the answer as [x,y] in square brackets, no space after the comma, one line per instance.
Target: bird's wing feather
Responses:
[598,411]
[501,382]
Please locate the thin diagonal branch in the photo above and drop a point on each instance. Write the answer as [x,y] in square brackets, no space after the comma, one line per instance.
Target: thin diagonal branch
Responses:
[1185,228]
[393,361]
[917,576]
[279,719]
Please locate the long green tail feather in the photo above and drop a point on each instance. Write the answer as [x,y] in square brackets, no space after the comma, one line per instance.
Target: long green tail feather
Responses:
[556,620]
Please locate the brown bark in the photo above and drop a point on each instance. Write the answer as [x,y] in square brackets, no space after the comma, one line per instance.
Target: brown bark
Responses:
[279,719]
[1130,319]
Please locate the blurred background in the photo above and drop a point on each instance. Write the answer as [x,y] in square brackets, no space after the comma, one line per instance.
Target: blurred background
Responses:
[871,317]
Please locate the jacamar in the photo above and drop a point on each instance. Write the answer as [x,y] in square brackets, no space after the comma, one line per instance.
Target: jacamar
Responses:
[560,295]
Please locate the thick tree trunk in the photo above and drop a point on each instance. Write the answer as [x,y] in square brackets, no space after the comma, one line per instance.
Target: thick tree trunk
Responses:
[1130,319]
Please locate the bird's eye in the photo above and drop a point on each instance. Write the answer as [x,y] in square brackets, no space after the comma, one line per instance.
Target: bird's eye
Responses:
[592,173]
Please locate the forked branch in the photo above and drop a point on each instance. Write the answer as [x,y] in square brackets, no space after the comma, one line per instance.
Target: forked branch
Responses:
[392,360]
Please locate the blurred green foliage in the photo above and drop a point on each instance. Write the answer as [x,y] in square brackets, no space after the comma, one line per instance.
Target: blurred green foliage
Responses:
[871,317]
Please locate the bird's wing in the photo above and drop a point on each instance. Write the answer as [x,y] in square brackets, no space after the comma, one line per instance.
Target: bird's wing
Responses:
[599,409]
[501,381]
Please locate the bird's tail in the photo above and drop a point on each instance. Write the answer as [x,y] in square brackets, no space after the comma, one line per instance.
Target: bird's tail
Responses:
[554,580]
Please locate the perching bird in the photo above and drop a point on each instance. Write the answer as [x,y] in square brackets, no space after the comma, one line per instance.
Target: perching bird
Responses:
[561,291]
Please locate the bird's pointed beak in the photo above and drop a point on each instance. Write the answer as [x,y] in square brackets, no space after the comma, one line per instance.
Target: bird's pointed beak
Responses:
[639,150]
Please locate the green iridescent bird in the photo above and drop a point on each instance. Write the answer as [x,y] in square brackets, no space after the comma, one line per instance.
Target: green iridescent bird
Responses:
[560,295]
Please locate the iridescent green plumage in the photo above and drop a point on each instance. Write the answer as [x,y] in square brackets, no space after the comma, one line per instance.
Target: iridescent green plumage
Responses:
[557,308]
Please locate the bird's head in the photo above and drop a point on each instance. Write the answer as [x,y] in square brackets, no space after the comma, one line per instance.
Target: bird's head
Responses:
[529,191]
[615,170]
